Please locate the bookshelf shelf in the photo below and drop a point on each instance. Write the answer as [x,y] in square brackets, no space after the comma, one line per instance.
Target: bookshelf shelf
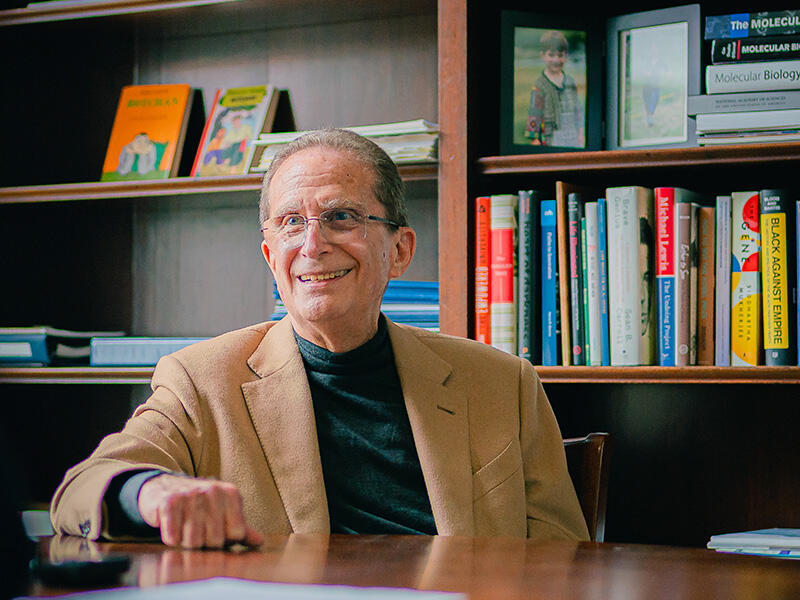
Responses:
[610,160]
[175,186]
[612,375]
[61,375]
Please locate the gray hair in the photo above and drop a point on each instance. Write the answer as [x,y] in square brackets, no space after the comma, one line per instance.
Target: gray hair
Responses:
[388,186]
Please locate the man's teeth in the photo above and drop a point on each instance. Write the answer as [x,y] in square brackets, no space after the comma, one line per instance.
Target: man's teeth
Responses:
[324,276]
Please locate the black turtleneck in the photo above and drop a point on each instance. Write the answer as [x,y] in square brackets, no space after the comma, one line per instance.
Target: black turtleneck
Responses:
[372,473]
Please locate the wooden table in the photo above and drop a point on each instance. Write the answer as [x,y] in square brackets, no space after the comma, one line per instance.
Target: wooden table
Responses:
[483,568]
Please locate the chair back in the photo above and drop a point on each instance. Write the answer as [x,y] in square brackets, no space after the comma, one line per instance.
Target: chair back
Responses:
[587,461]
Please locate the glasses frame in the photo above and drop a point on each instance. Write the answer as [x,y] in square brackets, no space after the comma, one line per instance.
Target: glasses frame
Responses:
[366,219]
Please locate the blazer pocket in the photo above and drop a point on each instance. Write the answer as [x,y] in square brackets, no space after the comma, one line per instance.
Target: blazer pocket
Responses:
[497,470]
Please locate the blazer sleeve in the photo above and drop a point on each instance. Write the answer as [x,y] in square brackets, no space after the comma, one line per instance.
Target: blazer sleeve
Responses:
[553,510]
[163,433]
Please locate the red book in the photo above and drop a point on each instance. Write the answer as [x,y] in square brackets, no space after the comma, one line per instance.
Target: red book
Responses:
[482,222]
[502,284]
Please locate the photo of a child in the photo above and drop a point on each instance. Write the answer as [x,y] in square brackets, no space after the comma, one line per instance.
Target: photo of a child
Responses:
[549,87]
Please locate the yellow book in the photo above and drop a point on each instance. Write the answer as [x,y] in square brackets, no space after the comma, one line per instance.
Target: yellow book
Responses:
[745,279]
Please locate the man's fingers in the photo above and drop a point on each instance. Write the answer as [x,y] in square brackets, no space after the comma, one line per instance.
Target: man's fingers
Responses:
[235,526]
[170,517]
[253,537]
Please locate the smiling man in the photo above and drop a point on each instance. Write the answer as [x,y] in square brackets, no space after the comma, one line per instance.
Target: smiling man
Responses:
[333,419]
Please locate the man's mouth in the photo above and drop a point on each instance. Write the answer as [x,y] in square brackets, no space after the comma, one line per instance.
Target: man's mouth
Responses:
[324,276]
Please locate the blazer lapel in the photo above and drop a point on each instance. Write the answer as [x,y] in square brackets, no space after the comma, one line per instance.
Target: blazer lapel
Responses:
[283,415]
[441,433]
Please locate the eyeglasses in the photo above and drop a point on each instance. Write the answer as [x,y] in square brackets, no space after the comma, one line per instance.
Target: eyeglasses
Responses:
[336,225]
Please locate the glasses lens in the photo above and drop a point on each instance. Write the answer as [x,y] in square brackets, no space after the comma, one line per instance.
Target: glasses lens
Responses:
[340,220]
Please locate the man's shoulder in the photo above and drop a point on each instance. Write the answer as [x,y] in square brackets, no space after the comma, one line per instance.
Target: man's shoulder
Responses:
[236,345]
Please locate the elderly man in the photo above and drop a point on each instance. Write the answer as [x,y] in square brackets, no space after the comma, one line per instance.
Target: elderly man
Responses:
[333,419]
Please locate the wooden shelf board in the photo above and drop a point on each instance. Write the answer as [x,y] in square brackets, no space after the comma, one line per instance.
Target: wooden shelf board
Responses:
[644,375]
[59,375]
[176,186]
[681,375]
[604,160]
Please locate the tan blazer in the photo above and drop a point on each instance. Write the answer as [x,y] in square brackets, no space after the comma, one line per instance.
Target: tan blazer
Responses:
[238,408]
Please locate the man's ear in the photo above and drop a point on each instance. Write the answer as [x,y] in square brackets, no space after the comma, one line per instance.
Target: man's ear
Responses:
[405,244]
[265,252]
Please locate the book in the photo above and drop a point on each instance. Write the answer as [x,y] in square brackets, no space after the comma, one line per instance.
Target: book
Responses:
[42,345]
[749,137]
[549,287]
[134,351]
[238,115]
[743,102]
[693,283]
[528,302]
[585,296]
[483,332]
[631,248]
[706,226]
[673,256]
[797,272]
[602,254]
[778,542]
[150,132]
[575,208]
[745,279]
[755,49]
[592,262]
[562,260]
[404,141]
[722,280]
[502,281]
[760,120]
[759,24]
[778,276]
[753,76]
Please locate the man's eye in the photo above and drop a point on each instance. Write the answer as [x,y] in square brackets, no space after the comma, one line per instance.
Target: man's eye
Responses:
[292,221]
[341,216]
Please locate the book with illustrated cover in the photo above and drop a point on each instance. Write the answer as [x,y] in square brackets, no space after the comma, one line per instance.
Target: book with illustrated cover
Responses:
[237,117]
[150,132]
[631,270]
[778,277]
[746,339]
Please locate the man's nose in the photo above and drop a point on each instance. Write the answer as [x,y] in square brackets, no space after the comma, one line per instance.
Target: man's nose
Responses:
[315,240]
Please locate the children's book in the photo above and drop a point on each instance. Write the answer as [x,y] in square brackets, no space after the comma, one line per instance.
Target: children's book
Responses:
[236,118]
[149,132]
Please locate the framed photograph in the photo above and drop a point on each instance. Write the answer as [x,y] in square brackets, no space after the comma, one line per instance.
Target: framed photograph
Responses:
[653,67]
[551,83]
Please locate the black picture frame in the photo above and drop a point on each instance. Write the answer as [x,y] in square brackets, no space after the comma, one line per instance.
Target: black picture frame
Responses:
[527,122]
[653,66]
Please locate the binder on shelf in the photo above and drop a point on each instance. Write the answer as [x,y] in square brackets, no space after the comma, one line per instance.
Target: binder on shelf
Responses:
[46,346]
[135,351]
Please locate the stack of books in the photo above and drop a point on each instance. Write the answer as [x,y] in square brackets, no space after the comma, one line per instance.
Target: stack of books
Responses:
[780,543]
[753,81]
[405,142]
[408,302]
[631,275]
[42,346]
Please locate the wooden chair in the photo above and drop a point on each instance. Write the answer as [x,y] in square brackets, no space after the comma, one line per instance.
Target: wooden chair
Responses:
[587,461]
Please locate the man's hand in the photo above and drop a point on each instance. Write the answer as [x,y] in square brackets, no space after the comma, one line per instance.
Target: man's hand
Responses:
[195,513]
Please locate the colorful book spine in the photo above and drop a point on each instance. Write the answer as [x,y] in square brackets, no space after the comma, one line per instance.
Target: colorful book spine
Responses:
[576,317]
[595,355]
[693,283]
[665,273]
[563,273]
[683,249]
[528,317]
[778,277]
[502,285]
[722,280]
[705,293]
[759,24]
[549,272]
[745,279]
[631,246]
[482,319]
[585,285]
[602,254]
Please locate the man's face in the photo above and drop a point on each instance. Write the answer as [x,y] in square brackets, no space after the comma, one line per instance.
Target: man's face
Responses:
[333,288]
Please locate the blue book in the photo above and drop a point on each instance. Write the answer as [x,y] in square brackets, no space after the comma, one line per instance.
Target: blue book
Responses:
[602,252]
[134,351]
[549,277]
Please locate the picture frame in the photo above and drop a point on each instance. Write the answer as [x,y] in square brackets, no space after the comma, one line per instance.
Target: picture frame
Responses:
[551,83]
[653,66]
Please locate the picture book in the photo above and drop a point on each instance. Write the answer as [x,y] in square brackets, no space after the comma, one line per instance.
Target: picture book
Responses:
[149,132]
[236,118]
